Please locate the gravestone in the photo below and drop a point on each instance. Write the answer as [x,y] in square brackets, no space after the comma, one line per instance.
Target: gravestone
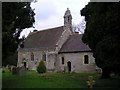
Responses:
[19,70]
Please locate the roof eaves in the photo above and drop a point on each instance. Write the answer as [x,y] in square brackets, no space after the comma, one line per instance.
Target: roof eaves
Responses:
[75,51]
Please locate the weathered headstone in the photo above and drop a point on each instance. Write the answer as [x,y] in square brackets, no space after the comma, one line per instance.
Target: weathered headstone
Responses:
[22,70]
[19,70]
[66,69]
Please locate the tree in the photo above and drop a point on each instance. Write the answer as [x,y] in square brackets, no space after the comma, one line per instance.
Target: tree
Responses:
[79,27]
[16,16]
[102,34]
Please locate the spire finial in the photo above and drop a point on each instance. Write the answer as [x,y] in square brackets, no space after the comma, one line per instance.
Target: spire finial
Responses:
[67,13]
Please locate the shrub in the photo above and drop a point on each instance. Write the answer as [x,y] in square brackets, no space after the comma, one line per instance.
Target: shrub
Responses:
[41,67]
[3,71]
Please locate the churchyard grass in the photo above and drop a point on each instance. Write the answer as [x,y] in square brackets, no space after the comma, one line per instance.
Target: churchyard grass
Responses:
[54,80]
[48,80]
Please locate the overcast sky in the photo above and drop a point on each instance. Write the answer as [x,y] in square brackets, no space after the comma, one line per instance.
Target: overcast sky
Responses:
[49,13]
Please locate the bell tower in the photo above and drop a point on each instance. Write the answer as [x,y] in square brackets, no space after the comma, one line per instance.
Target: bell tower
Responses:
[68,20]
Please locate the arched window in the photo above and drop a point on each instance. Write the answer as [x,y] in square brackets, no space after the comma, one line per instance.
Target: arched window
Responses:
[86,59]
[32,56]
[62,60]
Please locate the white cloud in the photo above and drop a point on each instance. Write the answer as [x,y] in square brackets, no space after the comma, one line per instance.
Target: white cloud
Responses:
[49,13]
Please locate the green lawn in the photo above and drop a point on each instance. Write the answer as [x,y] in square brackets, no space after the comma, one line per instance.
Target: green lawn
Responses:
[54,80]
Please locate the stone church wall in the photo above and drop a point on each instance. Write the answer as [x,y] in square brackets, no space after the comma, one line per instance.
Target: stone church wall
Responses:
[77,62]
[25,56]
[51,62]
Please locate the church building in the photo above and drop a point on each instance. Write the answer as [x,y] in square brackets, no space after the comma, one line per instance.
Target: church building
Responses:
[58,47]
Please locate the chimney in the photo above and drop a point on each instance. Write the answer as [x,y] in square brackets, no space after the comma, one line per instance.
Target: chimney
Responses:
[31,33]
[76,32]
[35,30]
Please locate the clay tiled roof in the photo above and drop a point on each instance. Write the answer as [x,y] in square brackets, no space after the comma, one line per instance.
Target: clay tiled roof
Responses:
[44,39]
[74,44]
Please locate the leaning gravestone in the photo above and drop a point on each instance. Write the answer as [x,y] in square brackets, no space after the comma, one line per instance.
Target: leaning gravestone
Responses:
[22,70]
[19,70]
[14,70]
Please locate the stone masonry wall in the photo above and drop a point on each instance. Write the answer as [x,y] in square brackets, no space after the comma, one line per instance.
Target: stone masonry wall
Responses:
[77,62]
[25,56]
